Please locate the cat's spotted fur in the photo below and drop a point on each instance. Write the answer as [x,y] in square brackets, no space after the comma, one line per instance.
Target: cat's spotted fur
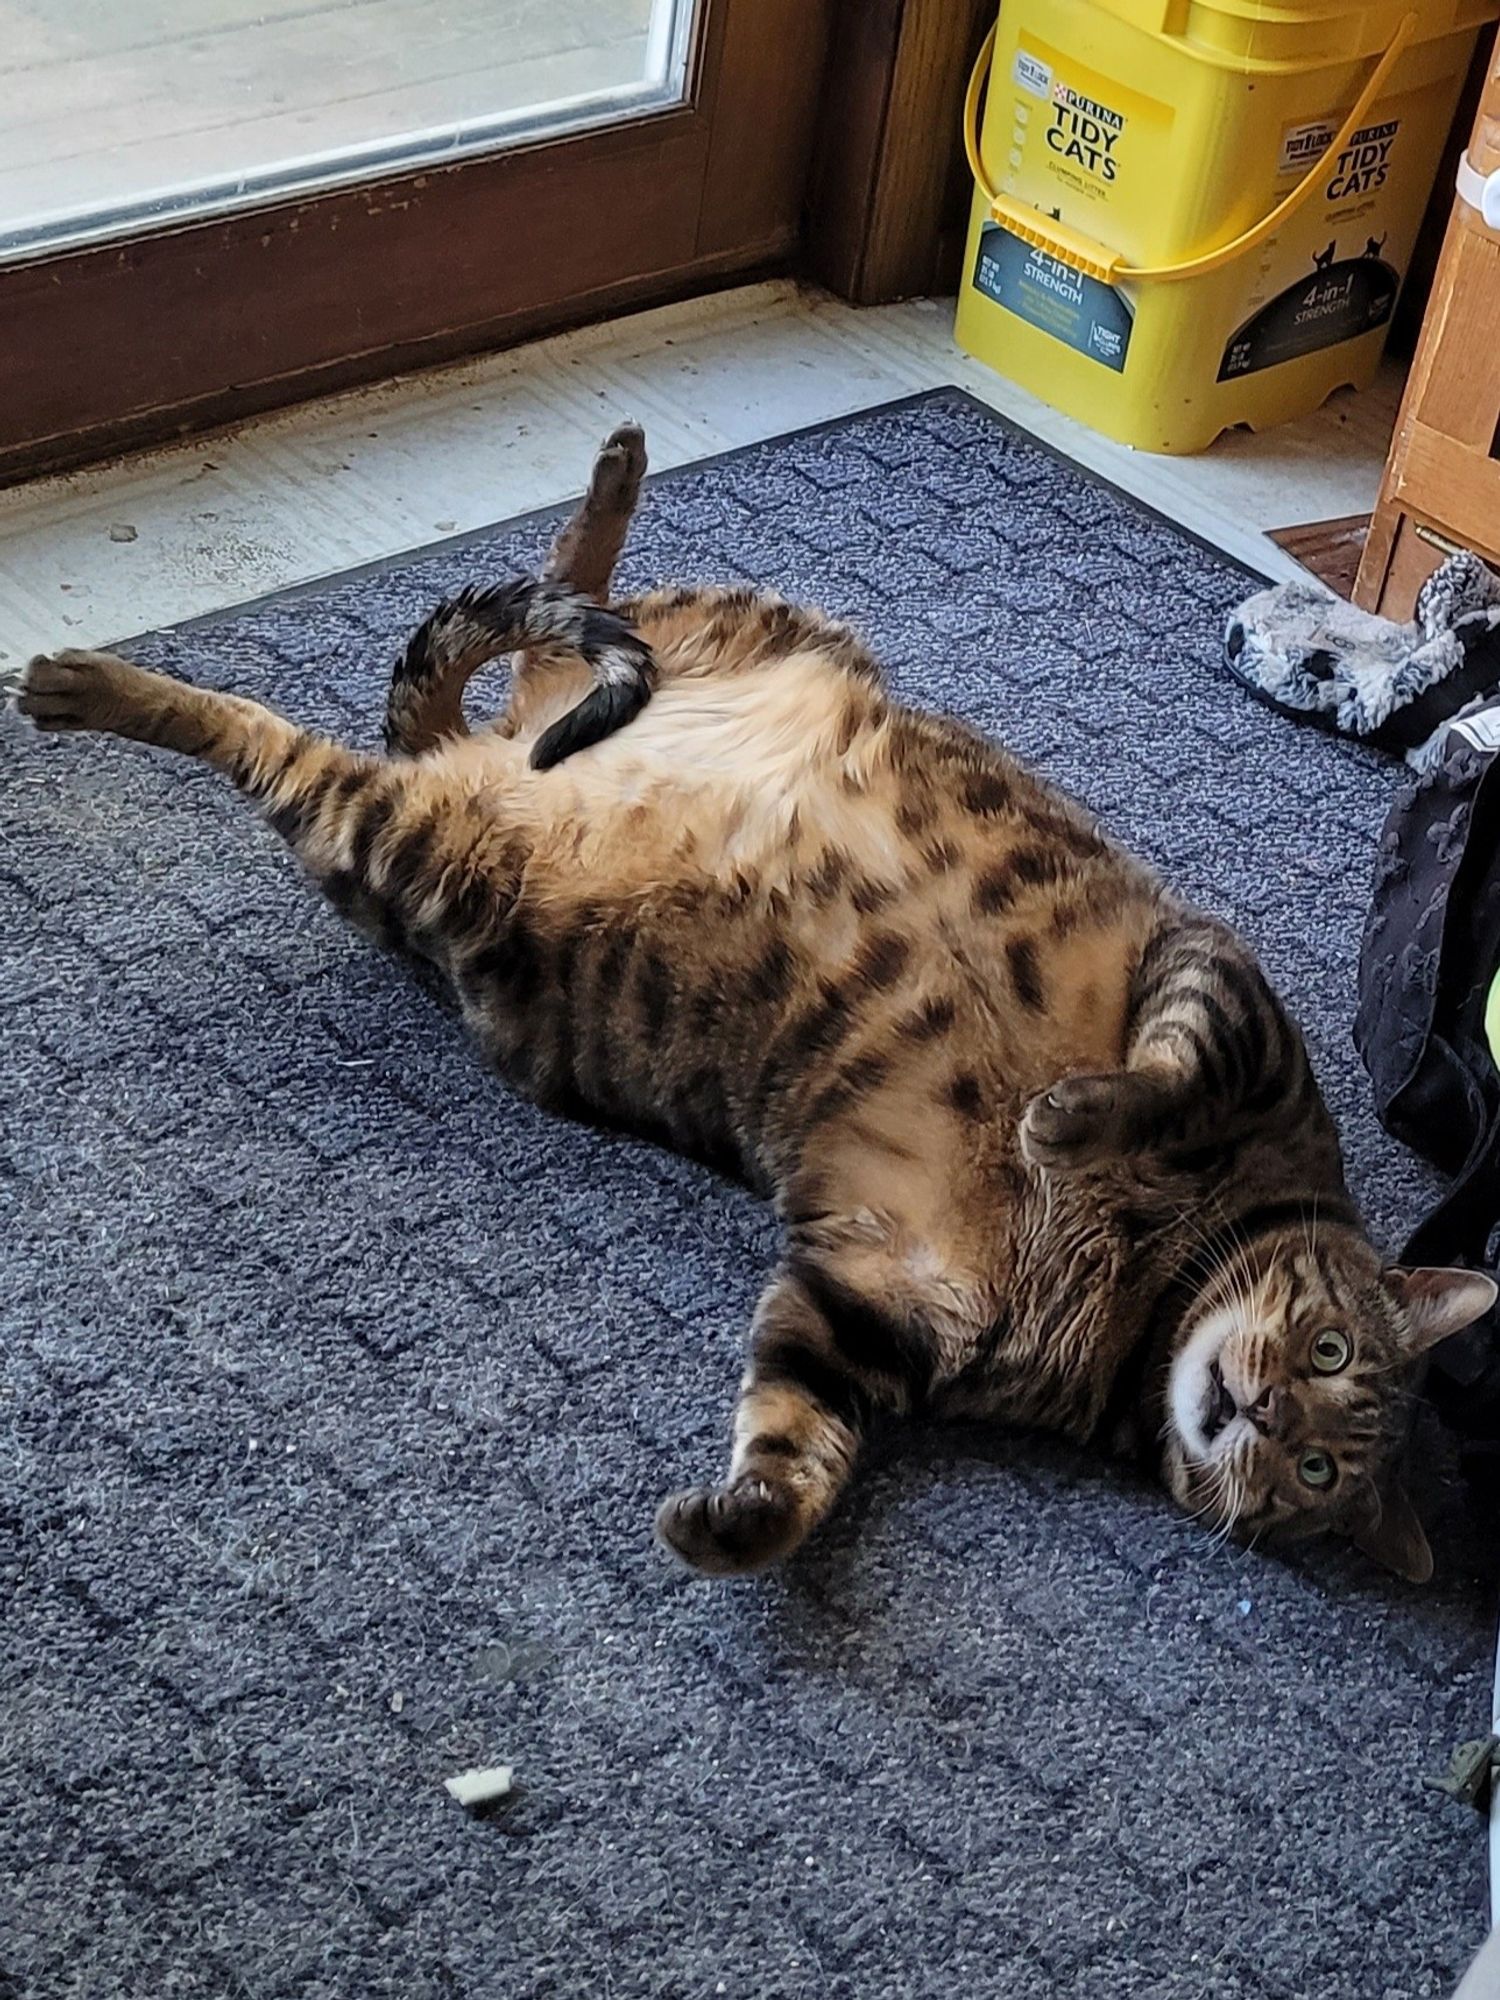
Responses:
[1045,1146]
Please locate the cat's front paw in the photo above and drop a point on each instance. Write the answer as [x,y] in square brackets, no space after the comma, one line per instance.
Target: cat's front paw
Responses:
[1079,1121]
[727,1530]
[76,690]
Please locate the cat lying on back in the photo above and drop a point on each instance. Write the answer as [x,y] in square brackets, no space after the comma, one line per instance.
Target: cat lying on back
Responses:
[1045,1146]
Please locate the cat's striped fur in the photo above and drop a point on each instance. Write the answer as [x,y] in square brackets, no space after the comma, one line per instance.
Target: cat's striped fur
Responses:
[544,621]
[1045,1145]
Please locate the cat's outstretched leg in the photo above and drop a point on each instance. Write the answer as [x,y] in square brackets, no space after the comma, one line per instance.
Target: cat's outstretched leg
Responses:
[797,1429]
[425,705]
[386,842]
[838,1335]
[265,755]
[1209,1051]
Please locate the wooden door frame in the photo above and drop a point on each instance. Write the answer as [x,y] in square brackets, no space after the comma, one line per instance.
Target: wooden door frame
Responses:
[890,190]
[126,343]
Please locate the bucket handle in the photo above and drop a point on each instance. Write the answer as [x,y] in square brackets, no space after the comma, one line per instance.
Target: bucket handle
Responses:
[1085,253]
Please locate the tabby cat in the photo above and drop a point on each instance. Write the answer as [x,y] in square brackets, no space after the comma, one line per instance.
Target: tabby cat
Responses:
[1045,1146]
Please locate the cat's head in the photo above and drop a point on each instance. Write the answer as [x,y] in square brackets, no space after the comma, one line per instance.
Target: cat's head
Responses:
[1286,1387]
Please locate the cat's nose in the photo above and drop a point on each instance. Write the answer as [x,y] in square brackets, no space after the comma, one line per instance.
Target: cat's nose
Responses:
[1268,1411]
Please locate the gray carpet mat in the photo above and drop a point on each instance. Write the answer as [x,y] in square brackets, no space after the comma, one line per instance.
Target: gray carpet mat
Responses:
[339,1388]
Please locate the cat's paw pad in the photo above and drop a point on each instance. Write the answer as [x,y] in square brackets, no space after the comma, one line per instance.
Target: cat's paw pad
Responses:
[726,1530]
[620,466]
[73,690]
[1080,1120]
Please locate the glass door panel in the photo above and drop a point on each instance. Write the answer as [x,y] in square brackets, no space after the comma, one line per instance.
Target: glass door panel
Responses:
[117,117]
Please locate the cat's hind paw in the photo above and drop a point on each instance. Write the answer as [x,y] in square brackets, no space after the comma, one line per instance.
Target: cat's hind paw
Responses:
[727,1530]
[620,466]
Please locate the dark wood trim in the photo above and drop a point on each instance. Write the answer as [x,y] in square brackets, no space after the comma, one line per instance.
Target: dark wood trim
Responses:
[242,400]
[768,106]
[110,347]
[1330,549]
[890,190]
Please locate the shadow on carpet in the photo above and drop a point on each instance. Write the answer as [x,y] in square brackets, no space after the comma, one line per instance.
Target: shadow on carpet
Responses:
[339,1389]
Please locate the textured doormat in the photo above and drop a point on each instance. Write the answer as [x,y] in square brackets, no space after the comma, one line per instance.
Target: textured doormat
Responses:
[339,1389]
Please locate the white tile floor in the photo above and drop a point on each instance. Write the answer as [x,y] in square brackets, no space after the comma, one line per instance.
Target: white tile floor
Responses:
[367,474]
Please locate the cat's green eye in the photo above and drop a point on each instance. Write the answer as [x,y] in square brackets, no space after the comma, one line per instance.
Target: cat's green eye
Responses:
[1331,1350]
[1315,1468]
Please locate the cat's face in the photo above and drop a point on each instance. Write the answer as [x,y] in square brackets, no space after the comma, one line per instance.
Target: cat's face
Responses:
[1284,1393]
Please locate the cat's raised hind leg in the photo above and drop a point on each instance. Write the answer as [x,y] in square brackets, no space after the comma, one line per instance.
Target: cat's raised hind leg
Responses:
[584,555]
[425,704]
[251,744]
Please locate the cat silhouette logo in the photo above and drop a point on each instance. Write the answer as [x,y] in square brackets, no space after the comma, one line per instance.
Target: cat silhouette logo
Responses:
[1343,299]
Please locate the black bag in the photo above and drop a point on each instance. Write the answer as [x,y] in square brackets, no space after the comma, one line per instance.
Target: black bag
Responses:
[1429,958]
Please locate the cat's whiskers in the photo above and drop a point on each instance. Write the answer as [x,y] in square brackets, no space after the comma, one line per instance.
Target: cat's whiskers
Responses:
[1209,1252]
[1219,1257]
[1310,1226]
[1210,1504]
[1231,1490]
[1234,1496]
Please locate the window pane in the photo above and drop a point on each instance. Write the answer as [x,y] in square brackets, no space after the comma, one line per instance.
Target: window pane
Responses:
[115,114]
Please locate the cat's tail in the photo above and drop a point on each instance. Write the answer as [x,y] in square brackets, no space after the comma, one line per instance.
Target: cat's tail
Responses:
[527,616]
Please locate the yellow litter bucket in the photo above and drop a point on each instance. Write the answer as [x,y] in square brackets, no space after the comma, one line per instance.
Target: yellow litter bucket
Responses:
[1196,213]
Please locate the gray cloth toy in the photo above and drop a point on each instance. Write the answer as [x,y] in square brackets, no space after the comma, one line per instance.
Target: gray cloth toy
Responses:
[1398,687]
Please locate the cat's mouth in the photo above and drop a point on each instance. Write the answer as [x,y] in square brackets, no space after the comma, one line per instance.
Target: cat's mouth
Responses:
[1219,1407]
[1200,1405]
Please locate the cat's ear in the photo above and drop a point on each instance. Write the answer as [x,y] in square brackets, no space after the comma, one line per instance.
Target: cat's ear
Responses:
[1438,1302]
[1386,1528]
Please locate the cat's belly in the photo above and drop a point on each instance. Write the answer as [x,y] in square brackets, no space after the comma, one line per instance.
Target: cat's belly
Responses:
[776,906]
[1078,1279]
[718,779]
